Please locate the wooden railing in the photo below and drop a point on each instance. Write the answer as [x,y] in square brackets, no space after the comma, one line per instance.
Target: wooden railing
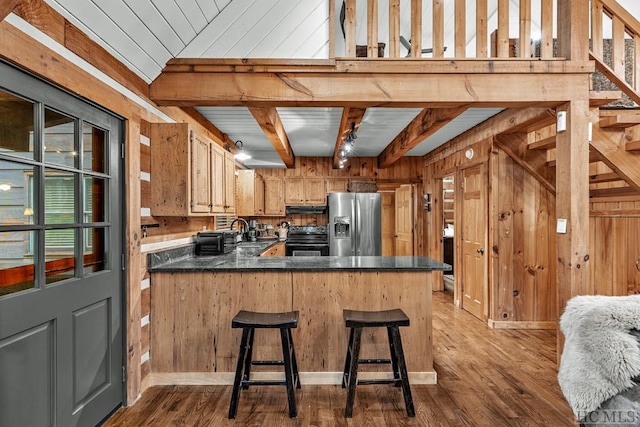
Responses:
[616,54]
[536,42]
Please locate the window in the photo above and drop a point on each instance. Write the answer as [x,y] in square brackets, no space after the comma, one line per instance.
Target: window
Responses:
[53,195]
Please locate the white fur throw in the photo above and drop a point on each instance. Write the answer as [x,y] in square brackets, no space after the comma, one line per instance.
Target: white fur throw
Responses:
[600,356]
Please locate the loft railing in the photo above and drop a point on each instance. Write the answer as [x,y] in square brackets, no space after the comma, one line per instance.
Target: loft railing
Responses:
[447,32]
[615,45]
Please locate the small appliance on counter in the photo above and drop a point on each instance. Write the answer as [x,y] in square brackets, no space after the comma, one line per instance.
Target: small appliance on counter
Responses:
[283,230]
[215,242]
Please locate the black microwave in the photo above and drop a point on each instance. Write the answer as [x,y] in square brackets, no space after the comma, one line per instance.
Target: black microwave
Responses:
[215,242]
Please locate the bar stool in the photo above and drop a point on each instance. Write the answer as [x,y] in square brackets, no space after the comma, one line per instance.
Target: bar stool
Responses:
[392,320]
[249,321]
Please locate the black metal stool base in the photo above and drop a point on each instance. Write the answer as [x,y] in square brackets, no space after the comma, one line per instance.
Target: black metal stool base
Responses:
[249,321]
[392,320]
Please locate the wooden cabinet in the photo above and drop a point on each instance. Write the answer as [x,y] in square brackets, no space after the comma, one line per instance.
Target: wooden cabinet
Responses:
[336,185]
[273,196]
[191,175]
[250,193]
[304,191]
[276,250]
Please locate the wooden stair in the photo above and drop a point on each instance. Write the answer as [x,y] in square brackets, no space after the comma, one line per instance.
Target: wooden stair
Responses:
[614,161]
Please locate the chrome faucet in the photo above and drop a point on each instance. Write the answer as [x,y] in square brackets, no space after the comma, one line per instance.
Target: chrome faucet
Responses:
[245,227]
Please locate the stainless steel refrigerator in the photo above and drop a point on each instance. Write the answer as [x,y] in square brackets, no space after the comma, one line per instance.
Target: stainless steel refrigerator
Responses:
[355,224]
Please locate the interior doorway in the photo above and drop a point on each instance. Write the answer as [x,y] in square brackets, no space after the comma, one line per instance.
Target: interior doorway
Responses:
[448,222]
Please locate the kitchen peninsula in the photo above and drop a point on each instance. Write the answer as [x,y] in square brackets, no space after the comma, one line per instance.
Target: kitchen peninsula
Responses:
[195,298]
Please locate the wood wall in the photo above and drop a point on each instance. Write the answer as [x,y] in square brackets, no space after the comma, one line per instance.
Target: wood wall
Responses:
[521,234]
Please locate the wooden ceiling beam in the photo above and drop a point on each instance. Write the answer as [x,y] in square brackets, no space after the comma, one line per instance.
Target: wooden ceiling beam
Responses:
[6,7]
[425,124]
[350,117]
[330,88]
[533,161]
[503,122]
[269,120]
[221,138]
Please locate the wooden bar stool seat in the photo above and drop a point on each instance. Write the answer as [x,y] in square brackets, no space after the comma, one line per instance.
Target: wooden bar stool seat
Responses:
[392,320]
[249,321]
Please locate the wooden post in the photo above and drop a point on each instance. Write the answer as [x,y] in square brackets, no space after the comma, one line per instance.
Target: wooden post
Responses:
[133,239]
[572,201]
[573,29]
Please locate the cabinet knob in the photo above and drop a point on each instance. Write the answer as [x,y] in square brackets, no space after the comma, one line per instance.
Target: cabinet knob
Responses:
[480,251]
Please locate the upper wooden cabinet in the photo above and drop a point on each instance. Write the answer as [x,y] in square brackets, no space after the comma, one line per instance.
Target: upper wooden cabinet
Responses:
[304,191]
[250,192]
[191,174]
[337,185]
[273,196]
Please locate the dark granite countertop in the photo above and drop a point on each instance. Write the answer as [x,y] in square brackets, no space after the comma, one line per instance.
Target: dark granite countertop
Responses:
[245,258]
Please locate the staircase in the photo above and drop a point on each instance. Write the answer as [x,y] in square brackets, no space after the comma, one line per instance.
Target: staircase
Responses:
[614,149]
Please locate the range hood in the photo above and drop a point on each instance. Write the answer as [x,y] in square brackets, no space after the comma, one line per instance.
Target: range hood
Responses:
[306,210]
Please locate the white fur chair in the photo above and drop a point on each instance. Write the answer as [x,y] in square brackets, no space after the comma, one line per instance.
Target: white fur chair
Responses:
[600,364]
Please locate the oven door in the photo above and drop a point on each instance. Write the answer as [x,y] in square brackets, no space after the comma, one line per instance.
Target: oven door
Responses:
[301,249]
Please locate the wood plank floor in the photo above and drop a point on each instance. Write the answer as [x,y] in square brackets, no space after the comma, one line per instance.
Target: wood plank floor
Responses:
[485,378]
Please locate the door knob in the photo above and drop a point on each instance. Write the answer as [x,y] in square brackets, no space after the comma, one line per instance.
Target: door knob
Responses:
[480,251]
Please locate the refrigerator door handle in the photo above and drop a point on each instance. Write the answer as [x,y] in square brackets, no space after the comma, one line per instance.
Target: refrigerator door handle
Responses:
[359,229]
[354,229]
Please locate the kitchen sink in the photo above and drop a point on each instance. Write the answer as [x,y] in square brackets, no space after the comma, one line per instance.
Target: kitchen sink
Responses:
[249,246]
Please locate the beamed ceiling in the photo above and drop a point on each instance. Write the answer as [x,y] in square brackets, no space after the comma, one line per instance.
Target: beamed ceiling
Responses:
[146,34]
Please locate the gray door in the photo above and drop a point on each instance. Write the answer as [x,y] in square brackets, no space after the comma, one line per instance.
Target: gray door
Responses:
[61,277]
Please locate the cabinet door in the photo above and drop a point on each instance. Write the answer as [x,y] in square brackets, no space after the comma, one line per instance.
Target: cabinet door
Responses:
[217,173]
[294,191]
[245,184]
[258,195]
[336,185]
[273,196]
[229,183]
[314,191]
[200,176]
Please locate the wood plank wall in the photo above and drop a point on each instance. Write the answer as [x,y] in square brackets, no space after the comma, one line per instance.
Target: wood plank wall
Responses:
[521,227]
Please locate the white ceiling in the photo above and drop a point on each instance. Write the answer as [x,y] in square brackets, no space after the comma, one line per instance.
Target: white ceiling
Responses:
[145,34]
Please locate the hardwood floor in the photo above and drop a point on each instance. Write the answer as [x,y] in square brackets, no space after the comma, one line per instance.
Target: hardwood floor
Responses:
[485,378]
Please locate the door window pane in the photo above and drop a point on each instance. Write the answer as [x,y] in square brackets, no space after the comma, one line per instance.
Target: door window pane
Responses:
[95,249]
[16,196]
[94,199]
[59,197]
[59,254]
[59,139]
[94,146]
[16,126]
[16,261]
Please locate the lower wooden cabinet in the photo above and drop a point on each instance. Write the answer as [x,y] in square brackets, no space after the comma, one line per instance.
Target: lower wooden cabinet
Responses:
[276,250]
